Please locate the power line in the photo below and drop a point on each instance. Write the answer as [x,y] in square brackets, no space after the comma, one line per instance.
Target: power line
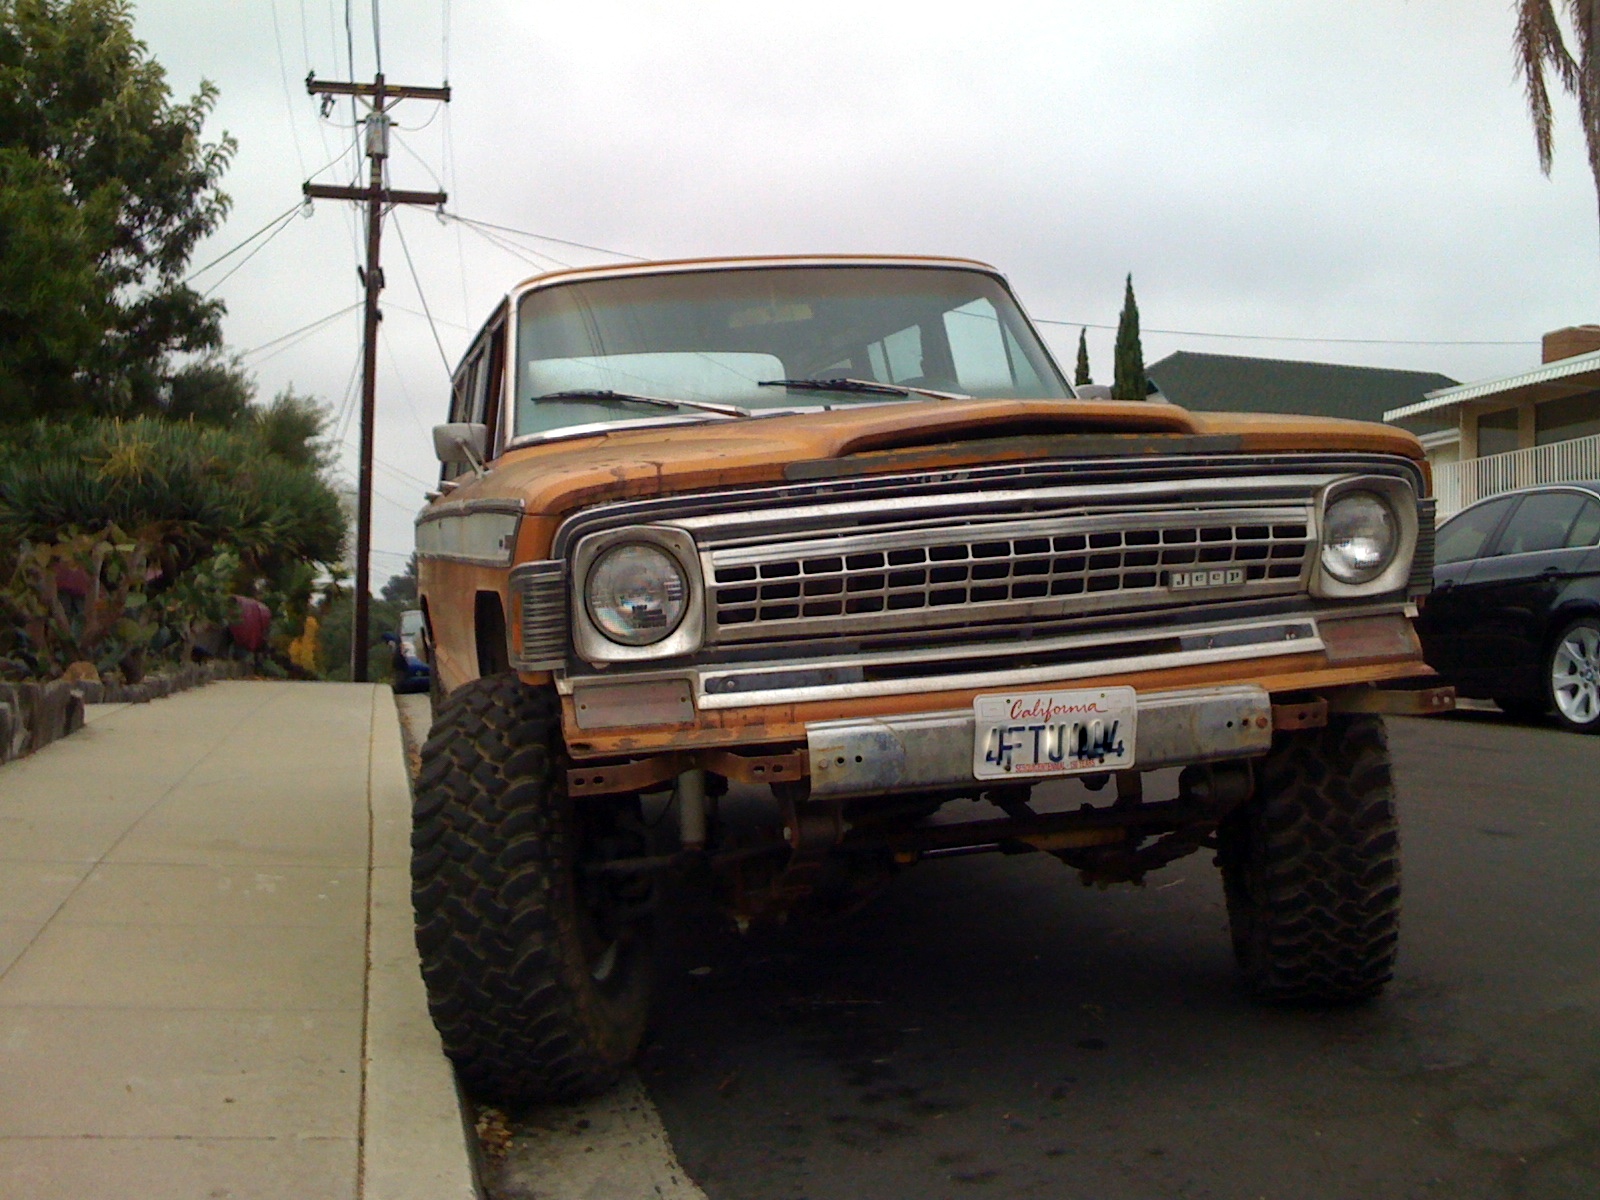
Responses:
[432,328]
[284,215]
[1267,337]
[283,76]
[426,166]
[238,266]
[446,38]
[521,252]
[542,237]
[400,382]
[403,476]
[391,306]
[320,321]
[518,252]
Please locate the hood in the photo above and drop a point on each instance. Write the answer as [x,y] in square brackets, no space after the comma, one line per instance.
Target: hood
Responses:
[554,478]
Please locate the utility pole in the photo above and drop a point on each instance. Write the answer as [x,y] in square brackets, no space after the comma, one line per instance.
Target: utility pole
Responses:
[378,96]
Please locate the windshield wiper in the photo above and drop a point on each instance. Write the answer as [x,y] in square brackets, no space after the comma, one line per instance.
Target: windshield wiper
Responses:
[869,386]
[726,410]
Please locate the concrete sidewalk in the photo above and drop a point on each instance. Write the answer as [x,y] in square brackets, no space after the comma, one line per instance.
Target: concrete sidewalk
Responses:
[207,982]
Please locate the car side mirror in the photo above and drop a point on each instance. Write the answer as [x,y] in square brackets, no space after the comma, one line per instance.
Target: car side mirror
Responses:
[461,442]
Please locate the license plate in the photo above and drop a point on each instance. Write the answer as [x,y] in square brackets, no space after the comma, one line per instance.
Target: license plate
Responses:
[1054,733]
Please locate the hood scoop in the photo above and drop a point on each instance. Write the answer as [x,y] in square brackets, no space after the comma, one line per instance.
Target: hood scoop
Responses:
[1010,422]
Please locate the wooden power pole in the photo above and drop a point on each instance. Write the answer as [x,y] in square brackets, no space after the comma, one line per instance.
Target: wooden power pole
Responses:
[378,96]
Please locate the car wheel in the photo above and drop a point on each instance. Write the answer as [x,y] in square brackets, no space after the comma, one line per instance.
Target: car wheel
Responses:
[1311,867]
[538,970]
[1572,673]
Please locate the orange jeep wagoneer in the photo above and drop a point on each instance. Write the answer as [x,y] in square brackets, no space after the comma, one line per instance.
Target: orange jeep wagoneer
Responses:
[783,574]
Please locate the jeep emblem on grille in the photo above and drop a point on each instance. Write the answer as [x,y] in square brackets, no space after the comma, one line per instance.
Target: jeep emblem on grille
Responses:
[1206,579]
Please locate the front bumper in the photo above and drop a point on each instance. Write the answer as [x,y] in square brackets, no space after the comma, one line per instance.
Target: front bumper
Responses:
[933,751]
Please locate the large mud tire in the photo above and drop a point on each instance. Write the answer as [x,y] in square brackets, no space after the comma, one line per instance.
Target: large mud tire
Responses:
[1311,867]
[533,996]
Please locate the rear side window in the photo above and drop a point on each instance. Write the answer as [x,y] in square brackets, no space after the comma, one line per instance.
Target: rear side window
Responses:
[1464,536]
[1541,522]
[1586,529]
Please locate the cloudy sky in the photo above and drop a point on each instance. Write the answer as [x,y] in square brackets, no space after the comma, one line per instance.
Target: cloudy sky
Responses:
[1323,181]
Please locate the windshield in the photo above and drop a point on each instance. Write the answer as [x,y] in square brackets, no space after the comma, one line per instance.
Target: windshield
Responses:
[762,338]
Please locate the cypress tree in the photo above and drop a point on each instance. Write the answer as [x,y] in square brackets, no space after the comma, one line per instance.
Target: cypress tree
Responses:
[1082,376]
[1129,383]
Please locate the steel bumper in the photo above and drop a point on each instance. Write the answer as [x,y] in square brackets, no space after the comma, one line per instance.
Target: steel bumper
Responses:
[863,757]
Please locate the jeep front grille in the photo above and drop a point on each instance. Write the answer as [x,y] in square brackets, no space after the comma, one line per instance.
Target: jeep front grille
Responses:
[993,571]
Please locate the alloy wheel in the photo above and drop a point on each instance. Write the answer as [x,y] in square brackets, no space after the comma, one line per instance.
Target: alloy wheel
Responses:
[1575,675]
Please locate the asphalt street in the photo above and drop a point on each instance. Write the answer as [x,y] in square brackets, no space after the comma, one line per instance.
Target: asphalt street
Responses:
[990,1028]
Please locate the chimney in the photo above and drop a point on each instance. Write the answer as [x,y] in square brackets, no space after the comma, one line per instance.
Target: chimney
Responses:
[1571,341]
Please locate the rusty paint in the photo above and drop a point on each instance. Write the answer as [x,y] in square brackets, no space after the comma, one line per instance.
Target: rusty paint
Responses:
[1069,839]
[754,768]
[617,778]
[1304,714]
[1369,639]
[1419,702]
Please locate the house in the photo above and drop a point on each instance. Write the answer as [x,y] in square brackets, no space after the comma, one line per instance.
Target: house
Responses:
[1231,383]
[1540,426]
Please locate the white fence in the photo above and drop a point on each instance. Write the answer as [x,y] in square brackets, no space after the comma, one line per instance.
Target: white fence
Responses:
[1458,484]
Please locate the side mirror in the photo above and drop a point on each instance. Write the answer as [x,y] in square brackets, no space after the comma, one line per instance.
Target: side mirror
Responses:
[461,442]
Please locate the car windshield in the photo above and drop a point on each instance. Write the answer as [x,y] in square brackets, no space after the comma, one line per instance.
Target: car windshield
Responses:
[769,340]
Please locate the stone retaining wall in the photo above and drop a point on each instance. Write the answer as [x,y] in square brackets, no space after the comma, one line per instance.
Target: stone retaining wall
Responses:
[35,714]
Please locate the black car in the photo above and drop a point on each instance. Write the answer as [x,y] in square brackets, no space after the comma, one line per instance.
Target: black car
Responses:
[1514,615]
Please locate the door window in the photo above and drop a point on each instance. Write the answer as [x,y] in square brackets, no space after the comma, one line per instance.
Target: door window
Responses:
[1541,522]
[1466,535]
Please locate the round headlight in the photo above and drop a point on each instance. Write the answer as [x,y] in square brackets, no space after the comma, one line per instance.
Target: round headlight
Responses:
[636,593]
[1359,537]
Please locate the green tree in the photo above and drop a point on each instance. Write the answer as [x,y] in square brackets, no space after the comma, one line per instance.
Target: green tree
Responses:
[1129,382]
[107,188]
[1539,44]
[402,588]
[295,428]
[53,304]
[1081,375]
[213,390]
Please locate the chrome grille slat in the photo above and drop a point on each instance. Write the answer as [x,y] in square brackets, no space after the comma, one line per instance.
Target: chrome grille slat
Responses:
[999,570]
[541,592]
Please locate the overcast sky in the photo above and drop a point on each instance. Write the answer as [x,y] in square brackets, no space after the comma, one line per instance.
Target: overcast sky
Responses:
[1352,169]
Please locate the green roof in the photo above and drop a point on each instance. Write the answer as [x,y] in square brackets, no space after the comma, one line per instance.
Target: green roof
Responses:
[1228,383]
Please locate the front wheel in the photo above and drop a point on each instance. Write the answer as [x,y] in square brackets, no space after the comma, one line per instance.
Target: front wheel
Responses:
[1572,675]
[537,971]
[1311,867]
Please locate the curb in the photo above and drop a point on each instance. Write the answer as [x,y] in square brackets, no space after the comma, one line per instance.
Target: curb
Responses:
[415,1141]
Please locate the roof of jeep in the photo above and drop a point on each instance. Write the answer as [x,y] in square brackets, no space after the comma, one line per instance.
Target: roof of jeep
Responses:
[673,265]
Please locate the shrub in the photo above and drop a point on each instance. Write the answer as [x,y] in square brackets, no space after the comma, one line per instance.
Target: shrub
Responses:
[214,513]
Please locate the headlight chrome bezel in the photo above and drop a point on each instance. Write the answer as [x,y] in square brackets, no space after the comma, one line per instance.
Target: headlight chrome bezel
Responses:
[1398,498]
[591,641]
